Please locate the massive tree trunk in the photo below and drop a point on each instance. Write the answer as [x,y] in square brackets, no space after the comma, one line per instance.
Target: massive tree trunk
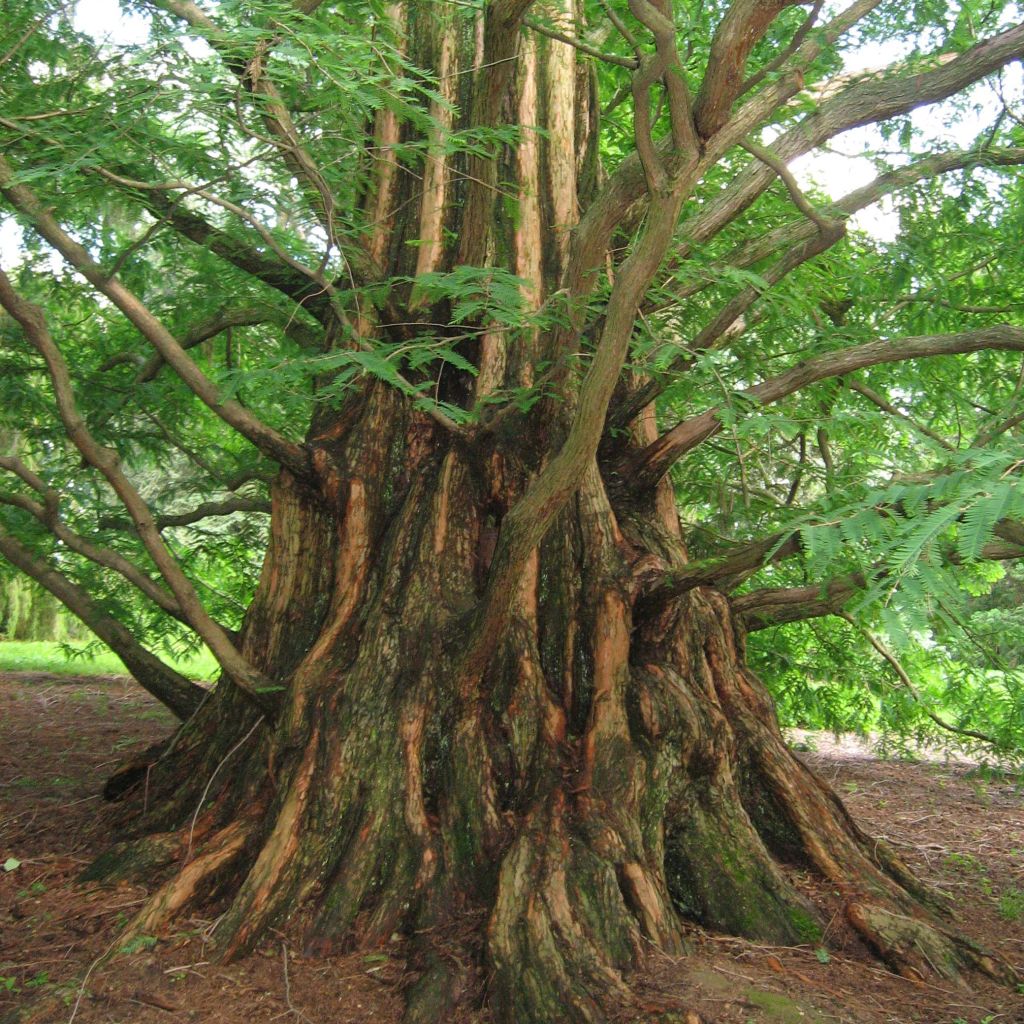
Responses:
[543,793]
[614,769]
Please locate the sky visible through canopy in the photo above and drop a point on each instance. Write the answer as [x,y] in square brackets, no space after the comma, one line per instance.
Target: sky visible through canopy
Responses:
[843,168]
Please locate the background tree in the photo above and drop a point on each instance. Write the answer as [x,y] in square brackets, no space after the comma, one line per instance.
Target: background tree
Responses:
[544,355]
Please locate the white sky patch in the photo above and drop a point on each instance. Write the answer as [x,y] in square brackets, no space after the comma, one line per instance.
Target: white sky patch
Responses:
[844,164]
[105,21]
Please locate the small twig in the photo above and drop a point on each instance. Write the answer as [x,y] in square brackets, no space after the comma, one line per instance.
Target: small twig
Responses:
[825,225]
[288,987]
[904,678]
[216,771]
[579,44]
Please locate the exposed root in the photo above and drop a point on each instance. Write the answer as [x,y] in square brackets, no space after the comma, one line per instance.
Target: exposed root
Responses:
[560,936]
[220,852]
[916,949]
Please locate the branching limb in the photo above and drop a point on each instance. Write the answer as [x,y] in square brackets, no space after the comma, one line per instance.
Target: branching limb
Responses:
[867,101]
[656,17]
[243,316]
[265,438]
[705,225]
[272,272]
[206,510]
[186,188]
[716,570]
[276,117]
[744,24]
[773,606]
[48,516]
[780,59]
[729,323]
[649,465]
[181,695]
[889,409]
[33,322]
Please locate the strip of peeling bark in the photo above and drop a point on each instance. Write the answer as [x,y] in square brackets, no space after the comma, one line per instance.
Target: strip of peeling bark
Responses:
[491,83]
[527,522]
[174,691]
[648,466]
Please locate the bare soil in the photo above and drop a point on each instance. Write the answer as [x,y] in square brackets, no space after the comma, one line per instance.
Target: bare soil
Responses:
[960,828]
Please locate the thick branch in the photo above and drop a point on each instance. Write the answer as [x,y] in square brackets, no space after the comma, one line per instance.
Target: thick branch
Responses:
[648,466]
[869,100]
[181,695]
[265,438]
[744,24]
[764,245]
[252,682]
[772,606]
[273,272]
[714,571]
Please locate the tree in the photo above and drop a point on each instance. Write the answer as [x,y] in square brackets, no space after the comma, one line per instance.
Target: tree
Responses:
[429,269]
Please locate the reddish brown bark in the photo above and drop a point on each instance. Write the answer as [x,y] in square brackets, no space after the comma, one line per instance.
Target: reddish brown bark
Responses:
[603,779]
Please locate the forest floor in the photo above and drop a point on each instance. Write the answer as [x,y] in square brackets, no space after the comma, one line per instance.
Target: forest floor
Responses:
[61,736]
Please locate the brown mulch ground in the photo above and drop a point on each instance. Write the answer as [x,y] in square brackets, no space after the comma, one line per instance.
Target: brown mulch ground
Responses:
[60,737]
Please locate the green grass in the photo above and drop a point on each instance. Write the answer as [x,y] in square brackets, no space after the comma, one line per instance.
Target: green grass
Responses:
[44,656]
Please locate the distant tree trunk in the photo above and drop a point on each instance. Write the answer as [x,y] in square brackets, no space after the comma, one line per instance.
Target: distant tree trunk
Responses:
[28,613]
[605,768]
